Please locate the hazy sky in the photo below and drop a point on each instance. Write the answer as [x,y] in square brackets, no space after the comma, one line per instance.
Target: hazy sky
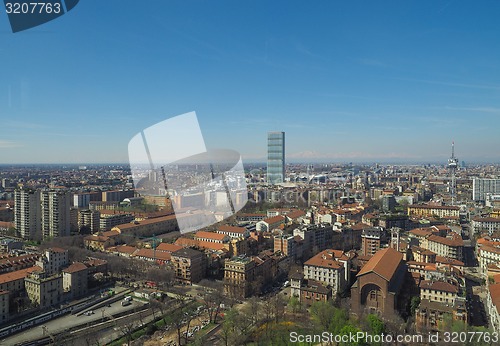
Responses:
[346,80]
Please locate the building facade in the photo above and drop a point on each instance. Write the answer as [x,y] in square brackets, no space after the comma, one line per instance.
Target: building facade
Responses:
[379,283]
[44,290]
[482,187]
[371,240]
[189,265]
[275,157]
[75,280]
[55,213]
[331,268]
[27,214]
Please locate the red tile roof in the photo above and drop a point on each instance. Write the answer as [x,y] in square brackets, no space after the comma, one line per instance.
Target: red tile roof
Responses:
[18,274]
[495,295]
[295,214]
[150,253]
[446,241]
[210,235]
[166,247]
[438,286]
[75,267]
[125,249]
[447,260]
[384,263]
[232,229]
[327,259]
[274,219]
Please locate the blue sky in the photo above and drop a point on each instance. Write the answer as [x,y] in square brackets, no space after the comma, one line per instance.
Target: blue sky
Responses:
[387,81]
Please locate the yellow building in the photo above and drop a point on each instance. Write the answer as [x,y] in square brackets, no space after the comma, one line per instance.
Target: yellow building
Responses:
[441,211]
[44,291]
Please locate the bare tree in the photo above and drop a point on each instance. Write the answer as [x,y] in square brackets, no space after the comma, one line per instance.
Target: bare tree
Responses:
[278,305]
[253,308]
[127,330]
[212,300]
[161,275]
[189,314]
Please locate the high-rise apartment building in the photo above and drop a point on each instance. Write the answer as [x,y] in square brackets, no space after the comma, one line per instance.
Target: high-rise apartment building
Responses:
[482,187]
[27,212]
[55,213]
[370,241]
[275,157]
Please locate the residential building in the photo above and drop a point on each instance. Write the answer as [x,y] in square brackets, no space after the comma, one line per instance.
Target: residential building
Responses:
[450,246]
[481,187]
[315,238]
[308,291]
[151,255]
[9,244]
[371,239]
[27,214]
[388,203]
[433,316]
[109,220]
[166,247]
[332,268]
[90,219]
[98,242]
[14,281]
[233,232]
[10,263]
[239,274]
[488,253]
[75,280]
[149,227]
[485,224]
[275,157]
[245,276]
[438,291]
[211,237]
[289,245]
[116,195]
[53,260]
[270,223]
[55,213]
[189,265]
[44,290]
[423,255]
[441,211]
[4,306]
[493,306]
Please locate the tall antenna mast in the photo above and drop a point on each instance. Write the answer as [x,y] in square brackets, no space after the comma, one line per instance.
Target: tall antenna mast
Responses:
[452,166]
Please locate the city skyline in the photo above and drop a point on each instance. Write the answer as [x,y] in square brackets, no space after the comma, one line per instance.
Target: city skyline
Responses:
[346,82]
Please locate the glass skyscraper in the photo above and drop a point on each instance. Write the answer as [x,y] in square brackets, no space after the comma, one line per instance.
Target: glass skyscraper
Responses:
[275,157]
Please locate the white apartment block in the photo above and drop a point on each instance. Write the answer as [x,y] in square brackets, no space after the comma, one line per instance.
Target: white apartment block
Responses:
[485,224]
[55,213]
[331,268]
[482,187]
[445,247]
[27,214]
[53,260]
[488,254]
